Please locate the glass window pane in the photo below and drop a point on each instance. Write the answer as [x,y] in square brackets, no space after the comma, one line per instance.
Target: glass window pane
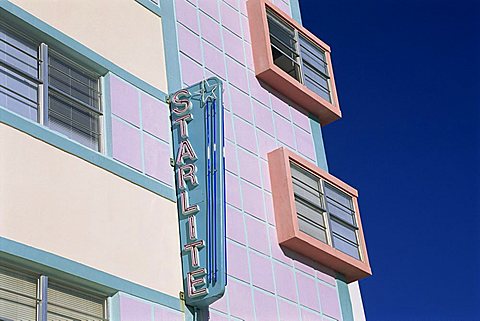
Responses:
[17,296]
[344,231]
[346,247]
[307,193]
[305,176]
[313,230]
[338,196]
[341,212]
[309,212]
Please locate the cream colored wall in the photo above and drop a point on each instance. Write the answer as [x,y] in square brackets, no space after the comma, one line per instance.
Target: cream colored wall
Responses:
[122,31]
[59,203]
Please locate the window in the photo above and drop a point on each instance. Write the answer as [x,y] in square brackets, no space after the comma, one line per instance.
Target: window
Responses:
[46,86]
[292,61]
[324,212]
[317,215]
[298,56]
[22,297]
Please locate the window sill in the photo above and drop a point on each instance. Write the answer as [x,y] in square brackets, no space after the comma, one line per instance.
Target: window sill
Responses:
[279,80]
[288,231]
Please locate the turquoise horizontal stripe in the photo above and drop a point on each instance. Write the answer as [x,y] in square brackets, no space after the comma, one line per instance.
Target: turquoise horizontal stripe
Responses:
[72,147]
[68,270]
[62,42]
[150,6]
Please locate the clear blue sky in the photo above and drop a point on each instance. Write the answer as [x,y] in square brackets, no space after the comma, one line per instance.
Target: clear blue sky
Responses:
[407,73]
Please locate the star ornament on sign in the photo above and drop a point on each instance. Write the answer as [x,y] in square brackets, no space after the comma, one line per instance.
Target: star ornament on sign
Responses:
[206,92]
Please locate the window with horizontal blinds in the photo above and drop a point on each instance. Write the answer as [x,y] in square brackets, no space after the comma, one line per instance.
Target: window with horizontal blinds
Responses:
[66,304]
[324,211]
[74,101]
[18,296]
[18,73]
[299,57]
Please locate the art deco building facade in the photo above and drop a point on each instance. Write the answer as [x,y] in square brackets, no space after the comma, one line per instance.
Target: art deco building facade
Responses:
[164,160]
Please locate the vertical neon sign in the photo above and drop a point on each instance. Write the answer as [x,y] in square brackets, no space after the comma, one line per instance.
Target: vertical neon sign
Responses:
[198,148]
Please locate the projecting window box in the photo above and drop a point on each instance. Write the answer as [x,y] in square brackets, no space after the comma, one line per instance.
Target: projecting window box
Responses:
[292,61]
[317,215]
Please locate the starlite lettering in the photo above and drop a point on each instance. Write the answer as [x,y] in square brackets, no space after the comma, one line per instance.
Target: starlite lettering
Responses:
[186,172]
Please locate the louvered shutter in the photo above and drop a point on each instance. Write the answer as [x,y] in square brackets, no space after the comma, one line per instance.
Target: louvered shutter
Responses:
[17,296]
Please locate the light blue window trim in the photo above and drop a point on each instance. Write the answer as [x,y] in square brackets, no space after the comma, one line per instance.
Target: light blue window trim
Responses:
[148,4]
[318,142]
[107,115]
[344,297]
[77,51]
[114,307]
[68,270]
[295,10]
[62,142]
[170,42]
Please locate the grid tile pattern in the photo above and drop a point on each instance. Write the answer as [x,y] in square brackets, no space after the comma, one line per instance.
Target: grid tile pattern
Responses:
[135,309]
[140,131]
[265,283]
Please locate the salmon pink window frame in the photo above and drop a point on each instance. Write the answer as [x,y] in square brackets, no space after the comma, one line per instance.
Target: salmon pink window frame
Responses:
[286,220]
[275,77]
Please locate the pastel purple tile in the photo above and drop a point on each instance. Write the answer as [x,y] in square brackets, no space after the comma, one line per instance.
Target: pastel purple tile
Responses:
[249,167]
[304,143]
[283,6]
[277,252]
[235,225]
[189,43]
[166,314]
[221,304]
[265,175]
[266,144]
[230,18]
[186,14]
[237,261]
[301,119]
[210,30]
[257,234]
[263,117]
[134,310]
[126,144]
[157,160]
[240,103]
[236,74]
[230,157]
[233,46]
[257,91]
[214,59]
[265,306]
[241,294]
[308,295]
[306,268]
[252,204]
[191,71]
[243,7]
[285,281]
[245,26]
[218,317]
[228,124]
[245,135]
[285,132]
[232,187]
[269,208]
[262,275]
[329,300]
[233,3]
[124,101]
[280,107]
[288,311]
[210,8]
[308,315]
[155,117]
[248,56]
[326,275]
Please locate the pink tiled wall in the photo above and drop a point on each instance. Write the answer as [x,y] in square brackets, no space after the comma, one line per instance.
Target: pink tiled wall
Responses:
[264,282]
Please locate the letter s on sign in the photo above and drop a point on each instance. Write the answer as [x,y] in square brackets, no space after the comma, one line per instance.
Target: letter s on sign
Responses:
[181,99]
